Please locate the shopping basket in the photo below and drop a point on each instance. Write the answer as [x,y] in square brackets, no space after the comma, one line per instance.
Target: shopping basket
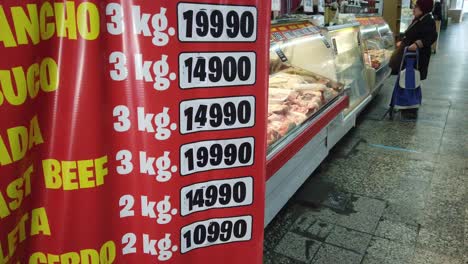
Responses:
[407,90]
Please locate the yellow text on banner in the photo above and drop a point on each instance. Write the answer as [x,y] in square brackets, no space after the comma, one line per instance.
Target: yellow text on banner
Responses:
[17,84]
[106,255]
[74,175]
[13,196]
[30,224]
[18,141]
[38,22]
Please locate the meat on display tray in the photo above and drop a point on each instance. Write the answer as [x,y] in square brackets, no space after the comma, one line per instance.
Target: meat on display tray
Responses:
[295,97]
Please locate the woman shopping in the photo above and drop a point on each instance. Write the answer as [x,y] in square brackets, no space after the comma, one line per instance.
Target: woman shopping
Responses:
[419,36]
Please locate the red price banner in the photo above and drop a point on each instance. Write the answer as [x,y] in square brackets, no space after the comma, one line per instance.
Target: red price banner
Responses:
[133,132]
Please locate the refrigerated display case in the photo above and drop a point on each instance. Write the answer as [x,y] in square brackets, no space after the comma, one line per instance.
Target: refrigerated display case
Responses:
[305,97]
[349,64]
[377,47]
[302,79]
[406,16]
[318,86]
[388,41]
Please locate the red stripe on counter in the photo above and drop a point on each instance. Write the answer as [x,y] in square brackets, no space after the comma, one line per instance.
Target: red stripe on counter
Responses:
[320,122]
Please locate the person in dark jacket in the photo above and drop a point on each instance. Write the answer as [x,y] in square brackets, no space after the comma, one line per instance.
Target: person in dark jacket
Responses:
[437,13]
[420,35]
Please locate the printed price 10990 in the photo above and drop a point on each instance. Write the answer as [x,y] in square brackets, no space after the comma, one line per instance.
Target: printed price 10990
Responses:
[215,232]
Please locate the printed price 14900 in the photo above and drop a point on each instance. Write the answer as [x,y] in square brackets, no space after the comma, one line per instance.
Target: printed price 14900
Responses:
[217,69]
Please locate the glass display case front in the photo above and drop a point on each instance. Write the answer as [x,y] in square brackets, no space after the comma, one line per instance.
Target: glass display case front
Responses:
[388,38]
[349,63]
[302,80]
[377,47]
[406,16]
[388,41]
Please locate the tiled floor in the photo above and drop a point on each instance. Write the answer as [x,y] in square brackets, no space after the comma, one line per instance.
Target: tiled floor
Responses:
[392,191]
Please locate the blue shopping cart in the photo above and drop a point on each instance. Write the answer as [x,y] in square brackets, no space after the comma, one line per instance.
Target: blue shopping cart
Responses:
[407,90]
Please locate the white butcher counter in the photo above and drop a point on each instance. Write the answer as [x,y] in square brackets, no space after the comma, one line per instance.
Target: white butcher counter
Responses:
[314,100]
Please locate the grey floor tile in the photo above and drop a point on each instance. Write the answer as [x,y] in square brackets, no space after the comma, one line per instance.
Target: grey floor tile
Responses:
[308,225]
[457,115]
[274,258]
[322,214]
[373,260]
[421,170]
[303,223]
[368,205]
[369,130]
[452,161]
[298,247]
[453,146]
[320,230]
[430,241]
[358,221]
[410,191]
[381,180]
[349,239]
[428,257]
[444,209]
[391,155]
[397,232]
[445,219]
[409,213]
[280,225]
[330,254]
[457,132]
[447,190]
[456,124]
[389,251]
[459,106]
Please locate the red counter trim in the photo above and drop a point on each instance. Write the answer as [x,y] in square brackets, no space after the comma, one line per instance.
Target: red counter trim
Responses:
[285,154]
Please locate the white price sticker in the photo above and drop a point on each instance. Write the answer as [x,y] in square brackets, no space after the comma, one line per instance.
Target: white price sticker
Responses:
[216,154]
[217,69]
[321,6]
[275,5]
[215,231]
[216,194]
[308,6]
[216,23]
[217,114]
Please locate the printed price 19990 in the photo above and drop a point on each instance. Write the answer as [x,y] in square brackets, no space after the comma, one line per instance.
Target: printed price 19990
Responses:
[216,154]
[215,231]
[216,194]
[217,114]
[216,23]
[217,69]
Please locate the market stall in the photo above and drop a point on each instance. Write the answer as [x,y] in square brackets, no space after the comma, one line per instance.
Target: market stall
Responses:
[318,86]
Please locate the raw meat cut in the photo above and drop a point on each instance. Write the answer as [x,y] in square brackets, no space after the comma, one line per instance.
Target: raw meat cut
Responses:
[294,95]
[280,109]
